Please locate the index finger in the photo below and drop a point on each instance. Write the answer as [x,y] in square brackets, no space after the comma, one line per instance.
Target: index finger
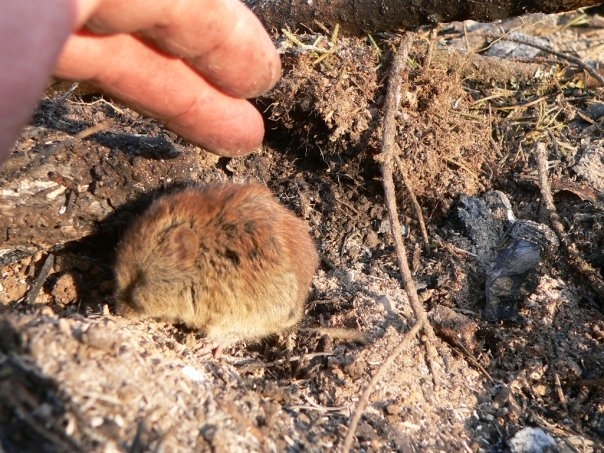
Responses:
[221,39]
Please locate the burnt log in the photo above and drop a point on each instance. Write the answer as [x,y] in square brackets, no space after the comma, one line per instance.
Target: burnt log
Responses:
[358,17]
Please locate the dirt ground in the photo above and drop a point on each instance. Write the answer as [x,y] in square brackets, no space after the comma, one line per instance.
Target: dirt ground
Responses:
[76,377]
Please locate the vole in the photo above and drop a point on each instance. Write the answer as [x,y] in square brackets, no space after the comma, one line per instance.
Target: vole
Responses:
[226,259]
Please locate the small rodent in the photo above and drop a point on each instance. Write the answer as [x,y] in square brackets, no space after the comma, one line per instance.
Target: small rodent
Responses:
[226,259]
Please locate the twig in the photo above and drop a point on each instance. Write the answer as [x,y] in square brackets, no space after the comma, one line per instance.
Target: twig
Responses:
[560,393]
[432,43]
[470,358]
[414,202]
[386,157]
[578,265]
[99,127]
[317,407]
[593,72]
[465,35]
[256,364]
[62,98]
[358,412]
[455,249]
[37,286]
[324,410]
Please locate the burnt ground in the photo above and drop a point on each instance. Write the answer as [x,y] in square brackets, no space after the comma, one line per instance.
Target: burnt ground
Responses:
[75,377]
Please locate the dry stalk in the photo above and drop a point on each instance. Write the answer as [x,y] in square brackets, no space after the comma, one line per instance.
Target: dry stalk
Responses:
[364,400]
[583,269]
[416,206]
[432,43]
[99,127]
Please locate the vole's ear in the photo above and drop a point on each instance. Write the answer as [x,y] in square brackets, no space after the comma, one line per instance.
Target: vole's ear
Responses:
[181,247]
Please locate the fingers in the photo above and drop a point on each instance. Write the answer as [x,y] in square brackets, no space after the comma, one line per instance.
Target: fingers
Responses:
[222,39]
[28,47]
[164,87]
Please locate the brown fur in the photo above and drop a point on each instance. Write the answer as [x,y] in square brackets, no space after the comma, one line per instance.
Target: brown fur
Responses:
[226,259]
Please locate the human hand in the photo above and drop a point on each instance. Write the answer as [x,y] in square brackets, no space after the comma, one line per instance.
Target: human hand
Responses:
[190,63]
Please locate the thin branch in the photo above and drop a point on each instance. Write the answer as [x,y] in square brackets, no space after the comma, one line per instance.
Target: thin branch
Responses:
[560,393]
[416,206]
[576,60]
[576,263]
[432,43]
[386,157]
[393,97]
[37,286]
[364,400]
